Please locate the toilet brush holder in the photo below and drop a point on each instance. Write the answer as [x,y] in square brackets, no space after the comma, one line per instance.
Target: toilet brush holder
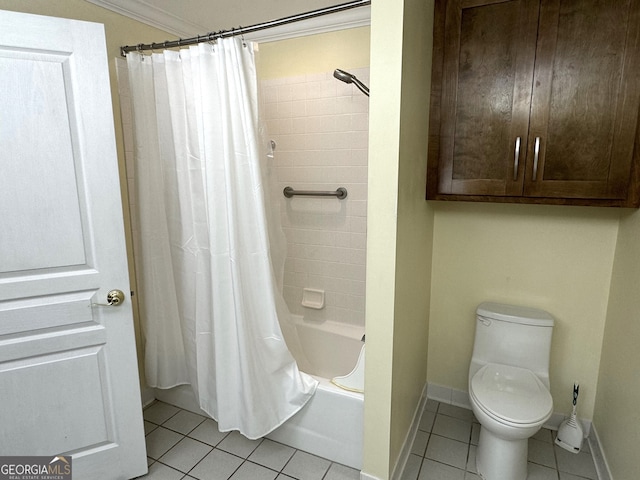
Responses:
[570,433]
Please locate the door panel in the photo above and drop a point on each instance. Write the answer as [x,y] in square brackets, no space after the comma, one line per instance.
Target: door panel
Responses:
[68,369]
[34,83]
[88,425]
[488,66]
[580,96]
[57,310]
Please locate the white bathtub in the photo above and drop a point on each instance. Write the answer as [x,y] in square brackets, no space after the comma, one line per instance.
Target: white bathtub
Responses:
[331,424]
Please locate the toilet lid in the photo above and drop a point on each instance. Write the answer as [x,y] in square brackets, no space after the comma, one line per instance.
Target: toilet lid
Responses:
[511,393]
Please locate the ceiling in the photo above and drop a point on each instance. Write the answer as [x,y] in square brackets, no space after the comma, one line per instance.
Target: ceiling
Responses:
[188,18]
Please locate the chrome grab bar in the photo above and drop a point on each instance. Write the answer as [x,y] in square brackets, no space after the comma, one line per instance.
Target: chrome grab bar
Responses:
[340,193]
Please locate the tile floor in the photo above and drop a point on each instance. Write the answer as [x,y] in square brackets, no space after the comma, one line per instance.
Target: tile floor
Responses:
[183,445]
[446,442]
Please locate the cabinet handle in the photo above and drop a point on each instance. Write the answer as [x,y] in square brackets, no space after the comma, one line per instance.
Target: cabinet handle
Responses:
[536,154]
[516,159]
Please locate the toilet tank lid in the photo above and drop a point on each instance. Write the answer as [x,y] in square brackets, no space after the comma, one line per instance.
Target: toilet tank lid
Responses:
[515,314]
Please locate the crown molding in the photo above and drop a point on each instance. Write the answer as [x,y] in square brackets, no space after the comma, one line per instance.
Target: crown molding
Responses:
[151,15]
[156,17]
[353,18]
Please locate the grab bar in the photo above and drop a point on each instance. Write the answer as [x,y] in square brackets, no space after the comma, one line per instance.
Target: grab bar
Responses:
[340,193]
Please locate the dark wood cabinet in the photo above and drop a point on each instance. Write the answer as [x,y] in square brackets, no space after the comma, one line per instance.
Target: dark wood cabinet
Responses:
[536,101]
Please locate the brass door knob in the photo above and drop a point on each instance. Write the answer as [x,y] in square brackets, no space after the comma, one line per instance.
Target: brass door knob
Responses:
[115,297]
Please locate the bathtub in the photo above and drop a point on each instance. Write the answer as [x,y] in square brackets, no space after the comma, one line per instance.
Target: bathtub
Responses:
[330,425]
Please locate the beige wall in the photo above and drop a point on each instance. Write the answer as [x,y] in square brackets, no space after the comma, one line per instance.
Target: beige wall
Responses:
[311,54]
[415,226]
[616,417]
[384,146]
[119,30]
[551,257]
[400,228]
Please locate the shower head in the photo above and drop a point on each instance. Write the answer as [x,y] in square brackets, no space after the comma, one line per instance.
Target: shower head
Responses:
[343,76]
[347,77]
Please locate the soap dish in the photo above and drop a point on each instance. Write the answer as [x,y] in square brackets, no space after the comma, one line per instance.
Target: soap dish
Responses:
[312,298]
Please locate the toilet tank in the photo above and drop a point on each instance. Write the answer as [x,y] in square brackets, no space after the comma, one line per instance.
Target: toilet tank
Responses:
[512,335]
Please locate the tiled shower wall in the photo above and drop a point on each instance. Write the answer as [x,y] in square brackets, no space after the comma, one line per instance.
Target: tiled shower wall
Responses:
[320,128]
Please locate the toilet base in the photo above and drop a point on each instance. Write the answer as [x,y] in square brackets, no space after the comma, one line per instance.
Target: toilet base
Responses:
[500,459]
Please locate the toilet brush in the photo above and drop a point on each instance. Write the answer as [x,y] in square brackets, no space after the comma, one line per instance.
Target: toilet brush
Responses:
[570,433]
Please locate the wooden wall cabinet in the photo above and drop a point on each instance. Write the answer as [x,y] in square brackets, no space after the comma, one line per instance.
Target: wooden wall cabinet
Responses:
[536,101]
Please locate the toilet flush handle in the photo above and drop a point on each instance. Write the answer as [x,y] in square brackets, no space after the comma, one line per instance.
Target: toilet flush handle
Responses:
[485,321]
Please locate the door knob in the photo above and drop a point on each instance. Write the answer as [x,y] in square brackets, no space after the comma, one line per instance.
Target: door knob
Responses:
[115,297]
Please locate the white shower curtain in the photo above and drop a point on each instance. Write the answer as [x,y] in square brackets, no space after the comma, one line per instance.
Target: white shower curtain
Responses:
[209,301]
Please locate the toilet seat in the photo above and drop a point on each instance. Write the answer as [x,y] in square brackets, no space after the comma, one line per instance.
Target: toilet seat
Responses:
[511,395]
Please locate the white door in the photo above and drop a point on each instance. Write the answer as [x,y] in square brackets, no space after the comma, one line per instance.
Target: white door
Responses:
[68,370]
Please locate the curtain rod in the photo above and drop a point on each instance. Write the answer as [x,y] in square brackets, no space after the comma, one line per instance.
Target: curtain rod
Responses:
[242,30]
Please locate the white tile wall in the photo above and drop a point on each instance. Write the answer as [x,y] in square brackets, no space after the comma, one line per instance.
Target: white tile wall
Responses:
[320,126]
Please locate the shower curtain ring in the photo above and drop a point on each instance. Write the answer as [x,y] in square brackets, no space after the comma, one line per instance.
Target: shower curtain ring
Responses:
[244,44]
[212,40]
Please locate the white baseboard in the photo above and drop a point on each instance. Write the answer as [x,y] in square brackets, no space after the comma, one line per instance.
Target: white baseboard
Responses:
[398,469]
[600,461]
[366,476]
[448,395]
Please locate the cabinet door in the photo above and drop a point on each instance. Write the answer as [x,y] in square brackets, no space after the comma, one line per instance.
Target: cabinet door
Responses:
[489,53]
[585,99]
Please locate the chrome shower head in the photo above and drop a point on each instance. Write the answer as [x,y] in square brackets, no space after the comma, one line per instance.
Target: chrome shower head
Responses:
[347,77]
[343,76]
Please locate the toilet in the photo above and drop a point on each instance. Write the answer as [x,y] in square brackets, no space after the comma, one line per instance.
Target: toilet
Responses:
[509,385]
